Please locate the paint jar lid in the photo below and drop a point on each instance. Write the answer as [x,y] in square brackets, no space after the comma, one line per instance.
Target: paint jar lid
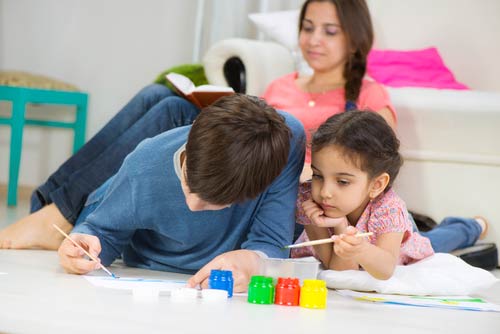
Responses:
[316,283]
[184,294]
[214,295]
[257,279]
[288,281]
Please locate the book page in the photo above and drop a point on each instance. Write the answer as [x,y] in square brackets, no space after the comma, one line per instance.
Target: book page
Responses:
[181,82]
[212,88]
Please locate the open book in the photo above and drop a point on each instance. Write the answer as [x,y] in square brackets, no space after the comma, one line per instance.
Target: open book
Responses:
[200,96]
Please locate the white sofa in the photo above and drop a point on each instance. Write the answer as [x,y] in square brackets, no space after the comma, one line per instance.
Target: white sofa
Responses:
[450,139]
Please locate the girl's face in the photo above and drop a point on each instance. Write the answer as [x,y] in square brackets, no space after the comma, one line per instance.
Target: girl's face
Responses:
[322,40]
[338,185]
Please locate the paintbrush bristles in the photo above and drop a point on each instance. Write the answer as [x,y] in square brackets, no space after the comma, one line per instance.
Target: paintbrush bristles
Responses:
[325,241]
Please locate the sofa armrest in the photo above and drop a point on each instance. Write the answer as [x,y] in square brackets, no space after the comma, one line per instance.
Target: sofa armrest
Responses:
[449,140]
[262,62]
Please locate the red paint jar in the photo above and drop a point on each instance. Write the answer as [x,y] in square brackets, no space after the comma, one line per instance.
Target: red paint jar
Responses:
[287,291]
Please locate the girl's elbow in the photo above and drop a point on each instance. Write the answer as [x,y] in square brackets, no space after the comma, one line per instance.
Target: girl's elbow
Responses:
[385,274]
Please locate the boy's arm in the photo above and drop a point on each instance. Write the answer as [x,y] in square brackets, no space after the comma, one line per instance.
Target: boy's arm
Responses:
[111,218]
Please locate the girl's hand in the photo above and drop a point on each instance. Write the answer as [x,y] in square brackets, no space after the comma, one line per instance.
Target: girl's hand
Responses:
[317,216]
[347,246]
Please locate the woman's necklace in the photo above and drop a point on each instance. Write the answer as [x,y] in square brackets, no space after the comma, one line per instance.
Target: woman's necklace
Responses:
[313,97]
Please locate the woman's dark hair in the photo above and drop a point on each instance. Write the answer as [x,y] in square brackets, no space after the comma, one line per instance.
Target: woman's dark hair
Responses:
[364,138]
[357,26]
[236,147]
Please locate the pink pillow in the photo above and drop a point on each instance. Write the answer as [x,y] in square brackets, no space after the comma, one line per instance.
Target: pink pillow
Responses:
[415,68]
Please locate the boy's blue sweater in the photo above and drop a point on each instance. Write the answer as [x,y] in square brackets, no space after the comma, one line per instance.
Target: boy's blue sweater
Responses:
[141,214]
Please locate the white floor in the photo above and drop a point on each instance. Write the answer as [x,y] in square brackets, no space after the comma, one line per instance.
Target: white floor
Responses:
[8,215]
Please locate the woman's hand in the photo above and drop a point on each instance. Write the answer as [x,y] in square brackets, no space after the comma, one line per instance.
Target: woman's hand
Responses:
[243,263]
[72,258]
[317,216]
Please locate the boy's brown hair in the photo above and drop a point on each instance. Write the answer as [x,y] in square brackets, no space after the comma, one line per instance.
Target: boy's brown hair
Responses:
[235,149]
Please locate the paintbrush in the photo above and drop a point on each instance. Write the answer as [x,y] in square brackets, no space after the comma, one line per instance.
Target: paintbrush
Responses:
[325,241]
[83,249]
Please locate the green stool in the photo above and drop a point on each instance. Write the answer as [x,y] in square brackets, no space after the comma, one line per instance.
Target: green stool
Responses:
[20,97]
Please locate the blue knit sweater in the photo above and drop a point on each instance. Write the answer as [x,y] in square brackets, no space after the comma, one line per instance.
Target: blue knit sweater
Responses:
[141,214]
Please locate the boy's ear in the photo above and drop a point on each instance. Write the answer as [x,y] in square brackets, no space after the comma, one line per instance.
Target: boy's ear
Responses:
[378,185]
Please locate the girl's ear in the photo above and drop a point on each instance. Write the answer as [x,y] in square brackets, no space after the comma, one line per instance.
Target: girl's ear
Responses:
[378,185]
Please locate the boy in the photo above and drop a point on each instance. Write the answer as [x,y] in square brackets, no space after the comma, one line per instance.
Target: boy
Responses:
[219,194]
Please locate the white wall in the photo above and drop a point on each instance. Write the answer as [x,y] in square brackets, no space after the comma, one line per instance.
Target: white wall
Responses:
[466,33]
[108,48]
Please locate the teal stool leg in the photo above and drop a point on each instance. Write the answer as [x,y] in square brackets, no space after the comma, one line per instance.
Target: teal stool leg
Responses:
[80,122]
[16,142]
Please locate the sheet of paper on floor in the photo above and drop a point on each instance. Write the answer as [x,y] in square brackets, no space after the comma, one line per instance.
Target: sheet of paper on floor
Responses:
[450,302]
[129,283]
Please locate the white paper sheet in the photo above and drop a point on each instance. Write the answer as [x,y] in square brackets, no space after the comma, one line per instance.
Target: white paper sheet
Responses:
[450,302]
[130,283]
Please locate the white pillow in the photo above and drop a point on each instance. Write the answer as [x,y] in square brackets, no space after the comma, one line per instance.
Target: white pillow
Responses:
[282,27]
[438,275]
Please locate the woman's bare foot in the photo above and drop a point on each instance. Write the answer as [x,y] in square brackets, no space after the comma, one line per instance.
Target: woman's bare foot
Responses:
[484,226]
[36,230]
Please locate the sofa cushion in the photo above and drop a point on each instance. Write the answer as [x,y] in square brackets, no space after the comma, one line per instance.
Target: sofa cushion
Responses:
[412,68]
[283,28]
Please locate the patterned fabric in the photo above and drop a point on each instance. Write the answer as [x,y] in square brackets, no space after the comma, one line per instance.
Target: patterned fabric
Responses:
[385,214]
[284,94]
[25,79]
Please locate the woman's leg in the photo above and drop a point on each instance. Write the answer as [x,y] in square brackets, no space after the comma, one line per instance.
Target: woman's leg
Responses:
[69,198]
[133,111]
[454,233]
[167,114]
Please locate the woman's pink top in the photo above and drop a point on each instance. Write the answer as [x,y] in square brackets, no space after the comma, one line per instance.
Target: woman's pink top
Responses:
[385,214]
[284,94]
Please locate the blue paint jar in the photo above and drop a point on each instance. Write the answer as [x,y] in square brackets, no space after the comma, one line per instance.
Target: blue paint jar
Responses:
[221,280]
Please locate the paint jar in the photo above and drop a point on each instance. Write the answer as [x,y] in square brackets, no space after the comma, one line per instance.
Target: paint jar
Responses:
[221,280]
[287,291]
[260,290]
[313,294]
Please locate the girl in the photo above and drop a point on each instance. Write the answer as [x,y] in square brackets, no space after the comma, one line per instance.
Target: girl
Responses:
[355,160]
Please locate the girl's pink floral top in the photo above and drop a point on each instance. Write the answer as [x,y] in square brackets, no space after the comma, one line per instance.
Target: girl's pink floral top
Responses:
[385,214]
